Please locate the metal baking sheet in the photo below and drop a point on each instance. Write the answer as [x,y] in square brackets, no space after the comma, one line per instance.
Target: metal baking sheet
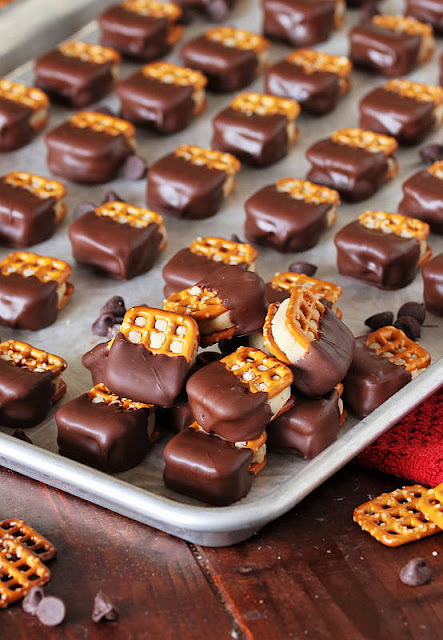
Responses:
[140,493]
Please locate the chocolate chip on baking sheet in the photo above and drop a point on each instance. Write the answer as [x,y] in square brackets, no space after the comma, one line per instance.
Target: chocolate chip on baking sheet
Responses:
[115,306]
[379,320]
[103,323]
[111,196]
[410,326]
[51,611]
[306,268]
[103,608]
[105,110]
[413,309]
[431,153]
[32,600]
[82,208]
[416,572]
[21,435]
[134,168]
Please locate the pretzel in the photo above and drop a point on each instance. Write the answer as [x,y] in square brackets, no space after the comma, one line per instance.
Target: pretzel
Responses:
[343,413]
[100,394]
[40,187]
[24,355]
[431,505]
[395,223]
[373,142]
[209,158]
[101,122]
[197,302]
[174,74]
[312,61]
[154,9]
[265,105]
[28,96]
[262,373]
[20,570]
[416,90]
[222,250]
[125,213]
[307,191]
[288,281]
[89,52]
[403,25]
[237,39]
[436,169]
[26,536]
[390,342]
[162,332]
[395,518]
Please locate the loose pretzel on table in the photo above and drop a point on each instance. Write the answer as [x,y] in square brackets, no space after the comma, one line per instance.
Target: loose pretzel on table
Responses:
[25,535]
[20,570]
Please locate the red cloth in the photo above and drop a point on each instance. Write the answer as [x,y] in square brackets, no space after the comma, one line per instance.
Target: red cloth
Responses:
[413,448]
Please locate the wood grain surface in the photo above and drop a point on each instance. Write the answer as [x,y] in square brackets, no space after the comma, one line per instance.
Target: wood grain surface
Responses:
[311,574]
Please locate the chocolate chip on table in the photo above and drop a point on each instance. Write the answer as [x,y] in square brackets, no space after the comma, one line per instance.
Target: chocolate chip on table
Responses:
[413,309]
[103,323]
[416,573]
[306,268]
[105,110]
[410,326]
[236,238]
[111,196]
[82,208]
[431,153]
[51,611]
[21,435]
[134,168]
[103,608]
[378,320]
[114,306]
[32,599]
[369,10]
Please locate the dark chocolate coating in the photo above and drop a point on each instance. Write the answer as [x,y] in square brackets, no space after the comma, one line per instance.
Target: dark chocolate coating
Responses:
[430,11]
[310,426]
[441,70]
[384,260]
[207,468]
[25,396]
[15,127]
[117,249]
[275,219]
[259,140]
[391,53]
[242,293]
[84,155]
[25,219]
[180,188]
[356,173]
[72,80]
[222,404]
[406,119]
[317,93]
[133,34]
[95,361]
[133,371]
[148,101]
[327,360]
[177,417]
[371,380]
[216,10]
[27,303]
[103,436]
[298,22]
[227,68]
[423,199]
[432,273]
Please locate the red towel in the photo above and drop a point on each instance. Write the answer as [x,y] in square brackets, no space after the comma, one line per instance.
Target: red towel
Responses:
[413,448]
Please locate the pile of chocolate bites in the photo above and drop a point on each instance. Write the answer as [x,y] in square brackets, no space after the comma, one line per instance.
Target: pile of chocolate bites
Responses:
[281,364]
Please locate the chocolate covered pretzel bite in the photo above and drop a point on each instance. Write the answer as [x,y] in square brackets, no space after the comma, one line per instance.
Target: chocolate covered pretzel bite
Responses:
[430,11]
[423,197]
[432,273]
[23,112]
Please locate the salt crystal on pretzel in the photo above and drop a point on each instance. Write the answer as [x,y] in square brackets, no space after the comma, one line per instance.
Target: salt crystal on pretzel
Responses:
[312,61]
[40,187]
[169,73]
[20,570]
[396,518]
[431,505]
[25,535]
[409,26]
[30,97]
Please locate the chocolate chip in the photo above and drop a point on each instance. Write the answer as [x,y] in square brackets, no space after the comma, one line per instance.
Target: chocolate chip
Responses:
[306,268]
[102,325]
[235,238]
[207,357]
[413,309]
[229,346]
[369,10]
[134,168]
[105,110]
[82,208]
[51,611]
[32,599]
[410,326]
[416,572]
[378,320]
[431,153]
[103,608]
[112,196]
[21,435]
[114,306]
[112,331]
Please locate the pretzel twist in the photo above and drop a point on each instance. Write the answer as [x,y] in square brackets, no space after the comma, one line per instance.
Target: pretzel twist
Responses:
[39,186]
[174,74]
[416,90]
[102,122]
[200,303]
[288,281]
[100,394]
[28,264]
[222,250]
[20,569]
[89,52]
[28,96]
[237,39]
[311,61]
[436,169]
[395,223]
[259,371]
[25,355]
[25,535]
[265,105]
[307,191]
[390,342]
[373,142]
[403,25]
[154,8]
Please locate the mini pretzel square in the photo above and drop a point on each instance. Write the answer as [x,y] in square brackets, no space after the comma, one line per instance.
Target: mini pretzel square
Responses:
[402,226]
[312,61]
[125,213]
[403,25]
[170,73]
[209,158]
[396,518]
[100,394]
[110,125]
[417,90]
[201,304]
[26,536]
[237,38]
[39,186]
[222,250]
[20,570]
[436,170]
[319,288]
[431,505]
[89,52]
[373,142]
[154,8]
[390,342]
[307,191]
[23,95]
[22,354]
[28,264]
[265,105]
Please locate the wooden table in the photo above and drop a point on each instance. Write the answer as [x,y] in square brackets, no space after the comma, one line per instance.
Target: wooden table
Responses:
[311,574]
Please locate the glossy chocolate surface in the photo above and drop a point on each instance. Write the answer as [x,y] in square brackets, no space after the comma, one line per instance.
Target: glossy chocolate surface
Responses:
[391,53]
[84,155]
[310,426]
[119,250]
[177,417]
[384,260]
[72,80]
[133,34]
[298,22]
[430,11]
[441,70]
[27,303]
[25,219]
[328,359]
[275,219]
[423,199]
[103,436]
[227,68]
[356,173]
[207,468]
[25,396]
[406,119]
[371,380]
[222,404]
[259,140]
[432,273]
[317,93]
[15,127]
[166,107]
[183,189]
[215,10]
[95,361]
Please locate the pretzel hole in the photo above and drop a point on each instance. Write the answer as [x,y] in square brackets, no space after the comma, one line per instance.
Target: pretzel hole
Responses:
[6,578]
